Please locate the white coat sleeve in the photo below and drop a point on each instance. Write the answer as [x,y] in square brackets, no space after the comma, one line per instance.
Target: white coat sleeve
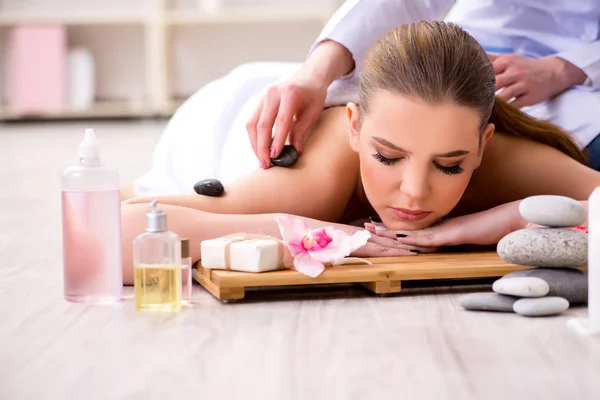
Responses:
[587,58]
[357,24]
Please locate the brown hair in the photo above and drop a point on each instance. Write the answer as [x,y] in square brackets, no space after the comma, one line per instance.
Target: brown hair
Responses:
[437,61]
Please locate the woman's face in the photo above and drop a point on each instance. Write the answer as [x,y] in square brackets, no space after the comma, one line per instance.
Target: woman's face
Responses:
[416,159]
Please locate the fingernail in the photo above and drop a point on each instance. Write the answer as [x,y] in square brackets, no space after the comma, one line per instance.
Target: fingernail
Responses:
[272,155]
[415,251]
[400,235]
[263,164]
[375,220]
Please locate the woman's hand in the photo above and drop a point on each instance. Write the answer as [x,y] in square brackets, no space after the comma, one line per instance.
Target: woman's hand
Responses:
[482,228]
[380,246]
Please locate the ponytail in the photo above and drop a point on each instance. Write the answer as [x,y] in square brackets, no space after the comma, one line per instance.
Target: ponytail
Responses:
[511,121]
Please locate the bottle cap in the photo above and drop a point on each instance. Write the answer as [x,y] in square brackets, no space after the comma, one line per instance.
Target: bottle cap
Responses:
[156,219]
[89,147]
[185,248]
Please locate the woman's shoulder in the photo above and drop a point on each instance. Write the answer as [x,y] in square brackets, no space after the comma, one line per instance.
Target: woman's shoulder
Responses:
[330,129]
[327,143]
[328,161]
[514,168]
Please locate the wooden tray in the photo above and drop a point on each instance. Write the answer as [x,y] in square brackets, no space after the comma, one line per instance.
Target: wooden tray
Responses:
[384,276]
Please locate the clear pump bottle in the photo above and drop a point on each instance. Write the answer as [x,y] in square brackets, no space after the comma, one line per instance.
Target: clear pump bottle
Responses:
[91,223]
[157,265]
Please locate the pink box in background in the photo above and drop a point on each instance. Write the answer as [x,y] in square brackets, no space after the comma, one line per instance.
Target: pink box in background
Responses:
[37,69]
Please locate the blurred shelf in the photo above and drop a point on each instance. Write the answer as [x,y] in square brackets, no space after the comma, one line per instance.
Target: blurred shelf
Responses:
[157,17]
[18,18]
[101,109]
[246,15]
[179,17]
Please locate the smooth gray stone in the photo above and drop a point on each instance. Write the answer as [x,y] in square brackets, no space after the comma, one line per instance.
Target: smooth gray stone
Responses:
[553,211]
[521,286]
[541,306]
[487,301]
[545,247]
[568,283]
[287,158]
[209,187]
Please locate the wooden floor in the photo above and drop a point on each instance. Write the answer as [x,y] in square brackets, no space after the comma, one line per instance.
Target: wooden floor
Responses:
[329,343]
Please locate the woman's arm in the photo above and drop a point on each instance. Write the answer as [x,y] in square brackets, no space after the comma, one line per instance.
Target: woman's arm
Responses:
[484,228]
[319,185]
[197,225]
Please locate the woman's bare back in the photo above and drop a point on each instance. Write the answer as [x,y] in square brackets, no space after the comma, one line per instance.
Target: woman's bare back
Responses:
[320,185]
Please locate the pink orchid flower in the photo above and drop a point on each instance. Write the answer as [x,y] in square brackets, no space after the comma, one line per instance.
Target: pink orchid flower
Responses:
[312,248]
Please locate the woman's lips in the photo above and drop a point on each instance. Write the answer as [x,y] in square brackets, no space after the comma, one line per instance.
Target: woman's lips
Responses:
[410,215]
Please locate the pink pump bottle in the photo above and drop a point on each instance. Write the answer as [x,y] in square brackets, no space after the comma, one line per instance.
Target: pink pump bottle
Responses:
[91,221]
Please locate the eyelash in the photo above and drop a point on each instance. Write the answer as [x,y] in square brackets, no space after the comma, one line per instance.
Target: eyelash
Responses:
[454,170]
[385,160]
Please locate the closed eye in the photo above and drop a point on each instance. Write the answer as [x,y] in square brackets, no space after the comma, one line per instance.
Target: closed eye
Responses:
[453,170]
[384,160]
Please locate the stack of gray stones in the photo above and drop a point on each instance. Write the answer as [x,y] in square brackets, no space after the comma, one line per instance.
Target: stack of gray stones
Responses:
[554,249]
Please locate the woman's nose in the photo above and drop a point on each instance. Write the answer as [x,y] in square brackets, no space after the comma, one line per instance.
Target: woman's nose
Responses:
[415,182]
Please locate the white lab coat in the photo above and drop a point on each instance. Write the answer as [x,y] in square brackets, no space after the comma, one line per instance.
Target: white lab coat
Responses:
[569,29]
[207,137]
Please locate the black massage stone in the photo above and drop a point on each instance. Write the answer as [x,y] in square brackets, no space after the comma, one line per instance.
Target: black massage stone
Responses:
[287,158]
[209,187]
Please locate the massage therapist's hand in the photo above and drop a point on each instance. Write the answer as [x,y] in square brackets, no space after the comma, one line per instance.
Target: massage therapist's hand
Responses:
[532,81]
[482,228]
[292,107]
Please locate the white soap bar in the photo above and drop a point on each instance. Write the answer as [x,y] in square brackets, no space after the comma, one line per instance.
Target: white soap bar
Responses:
[250,255]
